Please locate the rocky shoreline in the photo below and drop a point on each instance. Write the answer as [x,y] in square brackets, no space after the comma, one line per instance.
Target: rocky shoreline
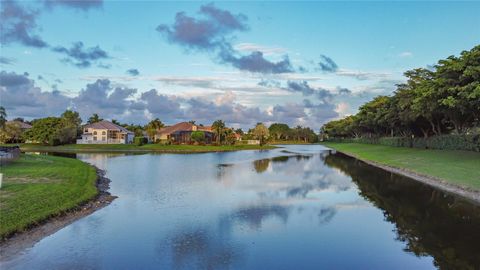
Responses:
[18,242]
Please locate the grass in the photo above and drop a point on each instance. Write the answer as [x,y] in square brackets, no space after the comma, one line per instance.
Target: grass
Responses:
[144,148]
[38,187]
[461,168]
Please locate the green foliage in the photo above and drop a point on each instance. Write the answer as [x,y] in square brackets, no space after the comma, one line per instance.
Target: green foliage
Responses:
[3,117]
[260,132]
[11,133]
[39,187]
[198,136]
[152,127]
[51,131]
[94,119]
[467,142]
[140,141]
[219,129]
[456,167]
[438,102]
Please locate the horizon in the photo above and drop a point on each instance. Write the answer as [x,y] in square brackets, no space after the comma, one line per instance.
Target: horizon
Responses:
[242,62]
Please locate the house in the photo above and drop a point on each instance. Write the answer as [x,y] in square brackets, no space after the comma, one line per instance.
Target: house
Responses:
[181,133]
[105,132]
[23,126]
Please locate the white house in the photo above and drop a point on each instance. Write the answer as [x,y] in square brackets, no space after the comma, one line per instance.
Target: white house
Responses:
[105,132]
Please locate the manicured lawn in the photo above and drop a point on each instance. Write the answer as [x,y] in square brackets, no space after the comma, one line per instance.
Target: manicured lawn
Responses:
[37,187]
[457,167]
[143,148]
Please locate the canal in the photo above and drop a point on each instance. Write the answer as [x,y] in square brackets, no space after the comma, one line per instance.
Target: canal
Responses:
[296,207]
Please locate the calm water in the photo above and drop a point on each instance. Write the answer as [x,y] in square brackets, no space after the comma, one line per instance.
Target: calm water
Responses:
[301,207]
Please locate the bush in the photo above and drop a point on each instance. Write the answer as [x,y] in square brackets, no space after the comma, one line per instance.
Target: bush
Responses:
[470,142]
[140,141]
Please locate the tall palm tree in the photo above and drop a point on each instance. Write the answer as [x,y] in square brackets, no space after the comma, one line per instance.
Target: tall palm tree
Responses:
[153,126]
[3,117]
[218,128]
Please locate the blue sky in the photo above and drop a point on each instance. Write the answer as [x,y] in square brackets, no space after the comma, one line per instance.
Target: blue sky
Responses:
[218,74]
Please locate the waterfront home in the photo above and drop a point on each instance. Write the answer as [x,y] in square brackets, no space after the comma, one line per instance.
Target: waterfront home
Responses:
[23,126]
[105,132]
[181,133]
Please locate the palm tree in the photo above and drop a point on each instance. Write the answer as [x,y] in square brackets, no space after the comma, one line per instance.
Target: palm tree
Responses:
[94,119]
[219,129]
[153,126]
[3,117]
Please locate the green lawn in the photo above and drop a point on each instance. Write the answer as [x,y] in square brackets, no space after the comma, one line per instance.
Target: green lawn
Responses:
[144,148]
[37,187]
[457,167]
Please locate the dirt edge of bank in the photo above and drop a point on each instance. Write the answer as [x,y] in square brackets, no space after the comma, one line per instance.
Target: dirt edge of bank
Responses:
[19,242]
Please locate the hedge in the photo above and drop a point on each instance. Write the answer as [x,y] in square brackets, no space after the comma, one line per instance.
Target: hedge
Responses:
[140,141]
[469,142]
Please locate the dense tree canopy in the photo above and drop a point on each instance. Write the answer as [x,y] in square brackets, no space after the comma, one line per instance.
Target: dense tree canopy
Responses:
[443,100]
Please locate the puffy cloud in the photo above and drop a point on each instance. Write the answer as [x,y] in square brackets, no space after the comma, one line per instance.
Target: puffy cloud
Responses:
[21,98]
[133,72]
[103,98]
[76,4]
[326,64]
[255,62]
[205,33]
[18,25]
[80,56]
[361,75]
[211,33]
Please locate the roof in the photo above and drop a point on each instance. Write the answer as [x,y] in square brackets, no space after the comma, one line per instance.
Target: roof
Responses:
[107,125]
[23,125]
[177,127]
[183,126]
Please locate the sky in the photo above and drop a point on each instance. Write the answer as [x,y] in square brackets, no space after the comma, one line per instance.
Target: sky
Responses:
[300,63]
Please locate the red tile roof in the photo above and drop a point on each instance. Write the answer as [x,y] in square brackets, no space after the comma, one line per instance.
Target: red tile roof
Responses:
[183,126]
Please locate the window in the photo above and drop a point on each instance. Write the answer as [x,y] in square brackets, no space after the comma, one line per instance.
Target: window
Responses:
[104,139]
[94,138]
[94,133]
[104,133]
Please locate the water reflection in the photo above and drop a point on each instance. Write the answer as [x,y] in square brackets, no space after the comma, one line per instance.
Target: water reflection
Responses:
[300,207]
[428,221]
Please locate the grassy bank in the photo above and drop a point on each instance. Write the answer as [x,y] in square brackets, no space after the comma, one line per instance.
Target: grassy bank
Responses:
[460,168]
[99,148]
[38,187]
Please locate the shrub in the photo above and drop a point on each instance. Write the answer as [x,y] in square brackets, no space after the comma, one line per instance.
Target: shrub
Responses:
[468,142]
[140,141]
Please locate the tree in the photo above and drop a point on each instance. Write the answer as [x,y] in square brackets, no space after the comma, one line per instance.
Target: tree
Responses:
[260,132]
[219,129]
[11,133]
[72,120]
[94,119]
[72,117]
[51,131]
[198,136]
[279,131]
[153,126]
[3,117]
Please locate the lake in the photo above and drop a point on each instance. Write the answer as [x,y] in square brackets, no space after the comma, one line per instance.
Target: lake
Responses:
[297,207]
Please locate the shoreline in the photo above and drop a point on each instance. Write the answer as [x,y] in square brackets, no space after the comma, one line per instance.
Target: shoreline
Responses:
[140,150]
[11,246]
[466,193]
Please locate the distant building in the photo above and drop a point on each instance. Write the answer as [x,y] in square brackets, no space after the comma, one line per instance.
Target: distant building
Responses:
[181,133]
[105,132]
[23,126]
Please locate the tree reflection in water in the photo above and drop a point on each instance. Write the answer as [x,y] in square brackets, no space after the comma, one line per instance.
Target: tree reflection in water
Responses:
[429,221]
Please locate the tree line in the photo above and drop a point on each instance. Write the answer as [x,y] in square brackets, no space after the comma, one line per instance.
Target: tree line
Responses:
[67,128]
[443,99]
